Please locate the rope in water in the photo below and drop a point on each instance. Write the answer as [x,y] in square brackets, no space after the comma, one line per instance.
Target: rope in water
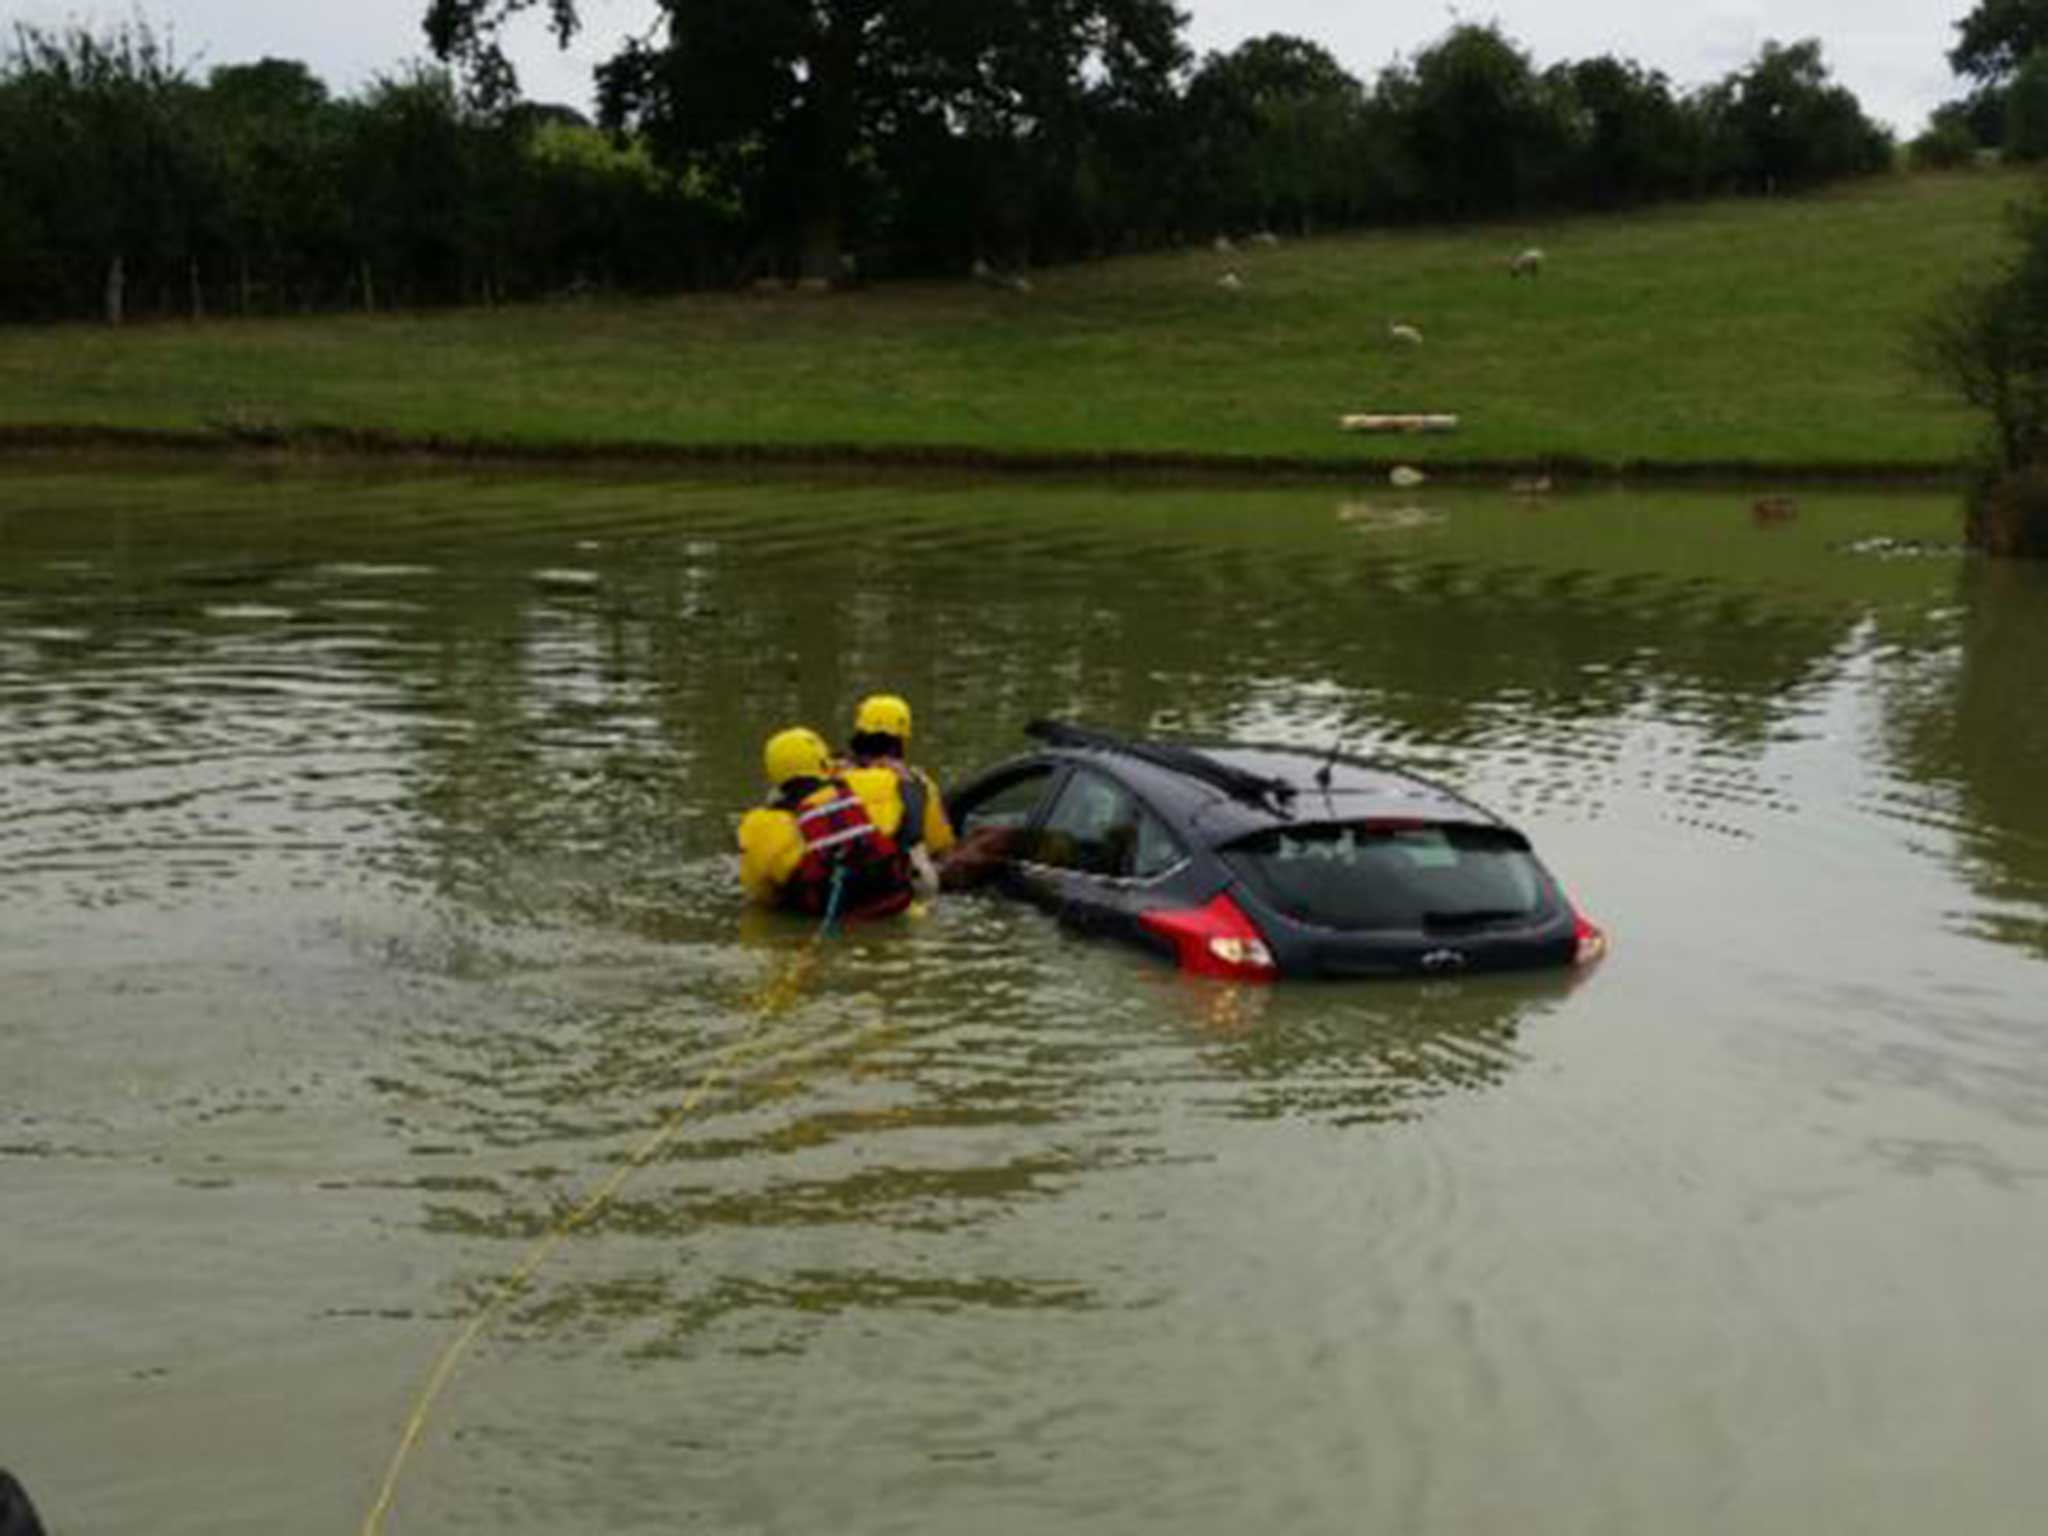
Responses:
[774,999]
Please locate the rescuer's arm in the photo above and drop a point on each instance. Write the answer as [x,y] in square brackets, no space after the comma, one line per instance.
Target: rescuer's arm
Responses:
[938,831]
[770,850]
[978,857]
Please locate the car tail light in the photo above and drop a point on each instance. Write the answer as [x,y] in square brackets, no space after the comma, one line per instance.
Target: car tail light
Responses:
[1216,940]
[1589,939]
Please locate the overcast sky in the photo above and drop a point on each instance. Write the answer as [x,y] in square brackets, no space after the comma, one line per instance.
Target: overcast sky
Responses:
[1889,52]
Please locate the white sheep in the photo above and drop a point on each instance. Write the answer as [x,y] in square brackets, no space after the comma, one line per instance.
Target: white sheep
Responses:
[989,277]
[1231,281]
[1406,335]
[1406,476]
[1223,246]
[1265,237]
[1527,263]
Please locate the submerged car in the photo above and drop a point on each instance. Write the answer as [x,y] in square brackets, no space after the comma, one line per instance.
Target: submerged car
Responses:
[1256,862]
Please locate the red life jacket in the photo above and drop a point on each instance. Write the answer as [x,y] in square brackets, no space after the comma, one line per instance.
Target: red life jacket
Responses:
[843,844]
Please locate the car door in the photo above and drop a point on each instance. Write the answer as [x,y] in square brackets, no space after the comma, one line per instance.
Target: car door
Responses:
[1097,856]
[1012,802]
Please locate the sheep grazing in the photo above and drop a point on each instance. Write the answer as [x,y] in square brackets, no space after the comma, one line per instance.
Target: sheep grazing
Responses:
[1231,281]
[1406,335]
[1223,245]
[1527,263]
[1265,237]
[1405,476]
[989,277]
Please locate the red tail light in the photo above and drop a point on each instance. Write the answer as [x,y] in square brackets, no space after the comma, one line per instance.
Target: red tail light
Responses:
[1216,940]
[1589,939]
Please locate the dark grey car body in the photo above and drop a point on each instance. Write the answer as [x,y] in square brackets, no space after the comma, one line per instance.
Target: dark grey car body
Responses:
[1108,831]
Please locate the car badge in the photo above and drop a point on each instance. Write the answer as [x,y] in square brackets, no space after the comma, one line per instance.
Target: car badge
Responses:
[1444,960]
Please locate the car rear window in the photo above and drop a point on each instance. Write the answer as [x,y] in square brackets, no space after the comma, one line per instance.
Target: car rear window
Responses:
[1439,877]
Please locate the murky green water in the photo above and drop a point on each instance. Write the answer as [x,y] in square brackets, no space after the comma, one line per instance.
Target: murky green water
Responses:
[366,898]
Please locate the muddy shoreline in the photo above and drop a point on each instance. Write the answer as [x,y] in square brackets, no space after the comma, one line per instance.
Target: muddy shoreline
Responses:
[375,445]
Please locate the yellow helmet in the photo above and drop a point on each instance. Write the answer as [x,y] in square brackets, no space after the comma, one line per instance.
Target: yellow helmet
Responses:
[882,714]
[797,753]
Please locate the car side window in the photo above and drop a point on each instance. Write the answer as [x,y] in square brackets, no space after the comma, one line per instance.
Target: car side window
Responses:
[1097,827]
[1156,850]
[1009,805]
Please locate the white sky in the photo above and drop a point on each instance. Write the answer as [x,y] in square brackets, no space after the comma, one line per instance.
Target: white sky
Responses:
[1889,52]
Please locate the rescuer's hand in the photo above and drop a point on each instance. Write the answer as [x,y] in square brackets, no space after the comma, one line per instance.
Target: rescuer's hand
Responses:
[978,857]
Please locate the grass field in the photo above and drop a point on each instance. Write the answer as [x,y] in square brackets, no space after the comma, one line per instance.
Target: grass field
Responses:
[1755,332]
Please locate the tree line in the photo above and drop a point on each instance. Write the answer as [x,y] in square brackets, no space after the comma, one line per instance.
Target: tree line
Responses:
[2001,51]
[823,140]
[1986,339]
[128,188]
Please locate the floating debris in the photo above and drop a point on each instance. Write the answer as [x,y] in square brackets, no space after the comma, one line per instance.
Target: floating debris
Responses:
[1365,517]
[1884,547]
[1400,421]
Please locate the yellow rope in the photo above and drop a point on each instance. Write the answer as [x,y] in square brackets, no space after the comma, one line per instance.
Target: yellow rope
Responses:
[777,997]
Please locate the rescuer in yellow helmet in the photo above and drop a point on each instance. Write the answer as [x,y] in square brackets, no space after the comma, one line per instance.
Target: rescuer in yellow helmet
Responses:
[881,738]
[825,843]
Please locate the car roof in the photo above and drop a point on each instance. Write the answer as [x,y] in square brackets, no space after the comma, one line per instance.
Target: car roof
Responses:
[1264,786]
[1332,787]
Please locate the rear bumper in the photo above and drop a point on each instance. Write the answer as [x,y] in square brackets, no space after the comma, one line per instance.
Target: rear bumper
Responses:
[1328,954]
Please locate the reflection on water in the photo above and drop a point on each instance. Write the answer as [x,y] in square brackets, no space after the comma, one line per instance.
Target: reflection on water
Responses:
[1381,1056]
[1972,721]
[369,899]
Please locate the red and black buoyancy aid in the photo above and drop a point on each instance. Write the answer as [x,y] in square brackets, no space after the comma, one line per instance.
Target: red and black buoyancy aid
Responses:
[842,844]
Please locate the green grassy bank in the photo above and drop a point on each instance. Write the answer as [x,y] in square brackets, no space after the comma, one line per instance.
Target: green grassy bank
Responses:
[1728,333]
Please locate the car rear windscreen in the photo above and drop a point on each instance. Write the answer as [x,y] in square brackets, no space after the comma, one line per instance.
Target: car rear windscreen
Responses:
[1439,877]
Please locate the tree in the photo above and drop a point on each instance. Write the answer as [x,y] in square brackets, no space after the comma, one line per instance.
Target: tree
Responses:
[1480,124]
[99,154]
[1273,118]
[1980,115]
[783,101]
[1947,145]
[1632,139]
[1782,123]
[273,133]
[1995,39]
[1986,340]
[1988,343]
[423,218]
[2026,109]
